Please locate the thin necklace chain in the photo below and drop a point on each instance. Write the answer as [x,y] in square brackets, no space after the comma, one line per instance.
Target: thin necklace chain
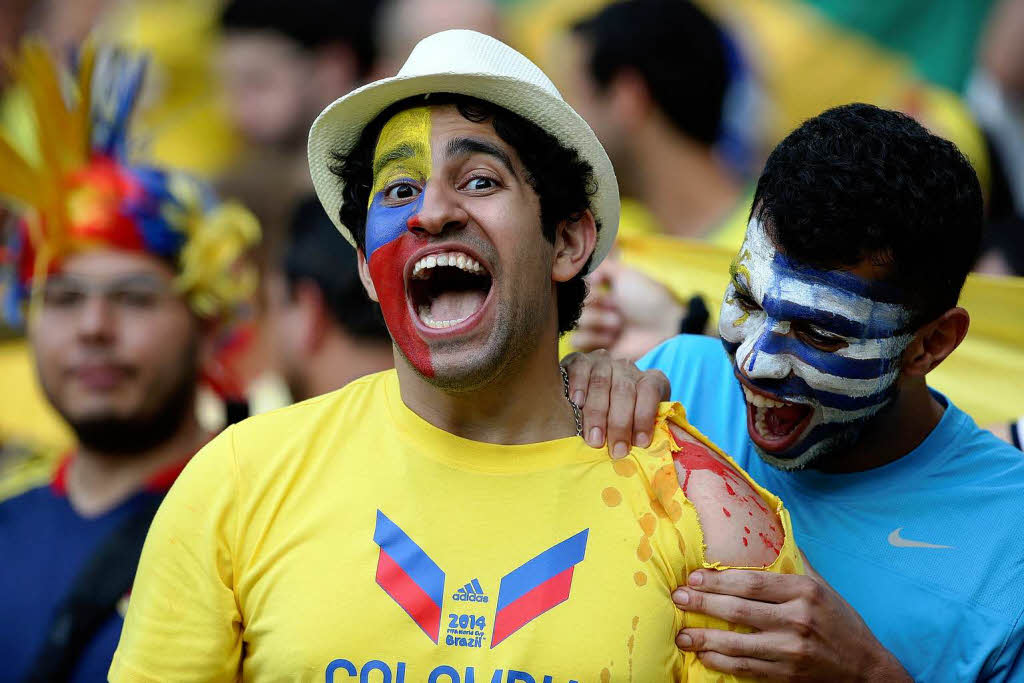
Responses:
[575,408]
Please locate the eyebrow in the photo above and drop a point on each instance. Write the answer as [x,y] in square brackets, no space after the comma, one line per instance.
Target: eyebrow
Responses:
[463,146]
[399,153]
[134,279]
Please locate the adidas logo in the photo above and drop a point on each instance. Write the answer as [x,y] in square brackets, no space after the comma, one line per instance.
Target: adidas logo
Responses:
[471,592]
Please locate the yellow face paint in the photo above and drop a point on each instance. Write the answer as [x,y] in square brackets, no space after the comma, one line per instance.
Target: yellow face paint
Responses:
[403,149]
[736,269]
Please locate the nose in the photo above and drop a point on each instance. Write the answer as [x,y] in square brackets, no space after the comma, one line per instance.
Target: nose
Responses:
[96,320]
[756,363]
[439,211]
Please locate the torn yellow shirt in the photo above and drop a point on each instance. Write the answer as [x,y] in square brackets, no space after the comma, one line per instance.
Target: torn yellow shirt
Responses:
[346,538]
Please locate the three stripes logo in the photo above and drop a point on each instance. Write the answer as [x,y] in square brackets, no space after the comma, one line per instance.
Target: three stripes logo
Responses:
[416,583]
[471,592]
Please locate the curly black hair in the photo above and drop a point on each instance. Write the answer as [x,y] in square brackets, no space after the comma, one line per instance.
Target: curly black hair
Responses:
[563,181]
[858,182]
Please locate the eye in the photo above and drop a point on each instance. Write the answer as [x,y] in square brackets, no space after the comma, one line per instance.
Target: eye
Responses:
[134,298]
[745,301]
[819,339]
[62,297]
[480,184]
[401,192]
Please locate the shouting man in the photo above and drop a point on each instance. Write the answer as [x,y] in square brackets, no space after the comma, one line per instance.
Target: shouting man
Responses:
[125,270]
[842,299]
[444,521]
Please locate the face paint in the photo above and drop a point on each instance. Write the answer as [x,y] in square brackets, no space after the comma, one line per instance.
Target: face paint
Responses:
[804,401]
[402,165]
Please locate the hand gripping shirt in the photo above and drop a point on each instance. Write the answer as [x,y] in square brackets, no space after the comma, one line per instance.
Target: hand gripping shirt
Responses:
[345,538]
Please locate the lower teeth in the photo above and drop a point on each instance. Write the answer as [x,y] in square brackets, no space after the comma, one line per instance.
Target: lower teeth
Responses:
[437,324]
[759,421]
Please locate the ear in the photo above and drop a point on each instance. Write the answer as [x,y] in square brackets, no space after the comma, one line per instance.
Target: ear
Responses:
[334,69]
[574,243]
[364,276]
[313,316]
[629,98]
[935,341]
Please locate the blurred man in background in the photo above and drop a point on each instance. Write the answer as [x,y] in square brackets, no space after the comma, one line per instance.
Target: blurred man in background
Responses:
[280,64]
[660,84]
[124,270]
[324,330]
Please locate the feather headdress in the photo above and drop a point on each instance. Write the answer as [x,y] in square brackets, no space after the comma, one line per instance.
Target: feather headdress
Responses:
[74,186]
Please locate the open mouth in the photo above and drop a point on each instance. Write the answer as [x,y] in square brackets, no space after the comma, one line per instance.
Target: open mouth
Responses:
[447,289]
[775,425]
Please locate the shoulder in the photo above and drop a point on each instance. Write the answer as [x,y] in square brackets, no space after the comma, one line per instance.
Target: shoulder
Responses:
[26,471]
[688,349]
[979,457]
[346,407]
[266,451]
[739,526]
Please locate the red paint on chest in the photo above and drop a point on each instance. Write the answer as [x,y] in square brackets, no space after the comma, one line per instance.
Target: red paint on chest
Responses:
[693,457]
[387,270]
[768,543]
[727,513]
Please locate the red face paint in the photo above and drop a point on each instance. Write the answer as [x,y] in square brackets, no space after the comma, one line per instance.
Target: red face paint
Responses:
[387,270]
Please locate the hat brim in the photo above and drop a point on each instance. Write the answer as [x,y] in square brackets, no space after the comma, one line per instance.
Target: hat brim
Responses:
[339,126]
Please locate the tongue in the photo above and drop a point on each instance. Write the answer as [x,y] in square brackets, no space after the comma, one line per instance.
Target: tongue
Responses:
[456,305]
[781,421]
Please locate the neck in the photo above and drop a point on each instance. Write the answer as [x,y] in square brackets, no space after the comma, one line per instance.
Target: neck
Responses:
[98,481]
[893,433]
[525,403]
[342,359]
[684,186]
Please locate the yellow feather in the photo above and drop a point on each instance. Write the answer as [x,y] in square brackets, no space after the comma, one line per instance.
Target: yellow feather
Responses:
[18,179]
[86,66]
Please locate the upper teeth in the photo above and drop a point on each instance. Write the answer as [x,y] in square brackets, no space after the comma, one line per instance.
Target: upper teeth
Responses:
[761,401]
[454,259]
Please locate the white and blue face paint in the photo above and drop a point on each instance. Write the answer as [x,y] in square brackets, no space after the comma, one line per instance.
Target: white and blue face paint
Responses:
[817,351]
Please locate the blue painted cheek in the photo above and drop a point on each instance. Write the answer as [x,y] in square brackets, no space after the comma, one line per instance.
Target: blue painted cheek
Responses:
[387,223]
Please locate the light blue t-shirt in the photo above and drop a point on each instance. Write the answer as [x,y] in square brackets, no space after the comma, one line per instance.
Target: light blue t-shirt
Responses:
[929,549]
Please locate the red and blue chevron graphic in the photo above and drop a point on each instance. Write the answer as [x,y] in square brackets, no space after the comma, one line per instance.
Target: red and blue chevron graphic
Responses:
[409,576]
[537,586]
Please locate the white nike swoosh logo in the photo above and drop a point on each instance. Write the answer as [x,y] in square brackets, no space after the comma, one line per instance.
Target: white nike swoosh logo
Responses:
[896,540]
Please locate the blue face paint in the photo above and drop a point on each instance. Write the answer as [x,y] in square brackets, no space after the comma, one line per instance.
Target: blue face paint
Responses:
[818,352]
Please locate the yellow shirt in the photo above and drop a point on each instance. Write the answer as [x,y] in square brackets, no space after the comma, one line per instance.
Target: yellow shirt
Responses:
[345,538]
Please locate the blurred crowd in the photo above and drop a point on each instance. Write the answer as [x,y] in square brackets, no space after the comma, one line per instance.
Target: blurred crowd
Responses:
[126,353]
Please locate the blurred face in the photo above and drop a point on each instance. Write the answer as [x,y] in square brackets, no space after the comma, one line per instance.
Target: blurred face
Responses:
[454,247]
[287,325]
[116,349]
[579,89]
[816,352]
[266,81]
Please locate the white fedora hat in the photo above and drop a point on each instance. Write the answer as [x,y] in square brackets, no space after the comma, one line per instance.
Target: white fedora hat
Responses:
[465,63]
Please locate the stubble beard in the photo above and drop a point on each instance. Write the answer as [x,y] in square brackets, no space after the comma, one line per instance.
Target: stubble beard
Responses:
[152,424]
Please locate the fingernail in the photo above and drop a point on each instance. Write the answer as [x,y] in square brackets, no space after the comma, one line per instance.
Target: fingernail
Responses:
[684,641]
[620,449]
[681,597]
[596,439]
[577,398]
[696,579]
[642,440]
